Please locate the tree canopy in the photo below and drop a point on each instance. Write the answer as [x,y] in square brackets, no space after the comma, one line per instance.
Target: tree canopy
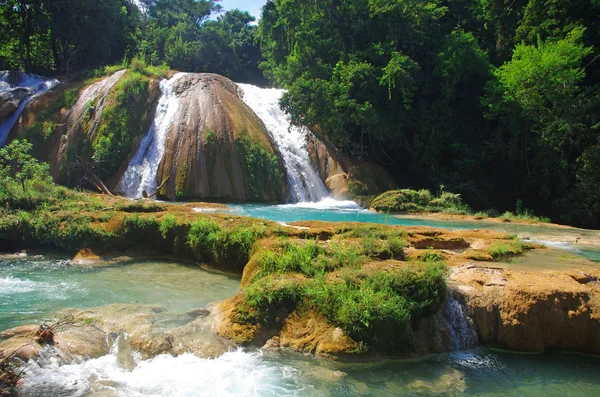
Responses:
[495,99]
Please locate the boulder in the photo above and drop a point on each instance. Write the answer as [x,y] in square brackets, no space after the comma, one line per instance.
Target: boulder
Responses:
[204,156]
[10,101]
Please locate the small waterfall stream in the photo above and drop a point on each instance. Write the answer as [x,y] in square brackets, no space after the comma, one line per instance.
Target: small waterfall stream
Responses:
[304,181]
[141,173]
[34,84]
[461,329]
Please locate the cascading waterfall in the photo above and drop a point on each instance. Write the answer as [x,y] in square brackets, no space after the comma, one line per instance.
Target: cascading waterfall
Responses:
[141,173]
[34,84]
[304,181]
[461,329]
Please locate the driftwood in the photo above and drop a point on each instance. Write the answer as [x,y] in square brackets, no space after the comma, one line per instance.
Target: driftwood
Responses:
[155,192]
[90,176]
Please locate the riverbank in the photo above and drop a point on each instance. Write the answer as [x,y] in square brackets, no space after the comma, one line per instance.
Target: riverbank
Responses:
[335,289]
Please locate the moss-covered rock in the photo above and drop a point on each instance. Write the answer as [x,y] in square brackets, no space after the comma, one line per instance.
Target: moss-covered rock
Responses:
[408,200]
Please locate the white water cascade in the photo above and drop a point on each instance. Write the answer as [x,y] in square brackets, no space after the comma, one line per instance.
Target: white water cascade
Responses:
[141,173]
[34,84]
[461,326]
[304,181]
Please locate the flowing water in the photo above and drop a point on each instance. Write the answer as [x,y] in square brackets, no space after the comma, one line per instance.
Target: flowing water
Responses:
[34,84]
[254,373]
[304,182]
[31,289]
[141,173]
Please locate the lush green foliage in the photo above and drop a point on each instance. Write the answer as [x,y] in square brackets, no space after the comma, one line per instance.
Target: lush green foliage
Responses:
[42,35]
[408,200]
[123,119]
[50,35]
[495,100]
[23,177]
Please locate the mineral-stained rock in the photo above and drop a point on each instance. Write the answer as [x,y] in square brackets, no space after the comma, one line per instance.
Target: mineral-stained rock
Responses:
[203,156]
[531,311]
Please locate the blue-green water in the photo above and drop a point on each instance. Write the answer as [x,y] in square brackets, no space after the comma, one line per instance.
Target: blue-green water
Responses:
[31,289]
[249,372]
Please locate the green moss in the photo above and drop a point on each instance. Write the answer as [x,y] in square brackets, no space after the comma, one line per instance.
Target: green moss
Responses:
[180,191]
[124,118]
[262,168]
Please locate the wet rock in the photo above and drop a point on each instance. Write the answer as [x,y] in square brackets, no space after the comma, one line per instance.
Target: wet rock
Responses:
[10,101]
[531,311]
[86,342]
[202,158]
[344,177]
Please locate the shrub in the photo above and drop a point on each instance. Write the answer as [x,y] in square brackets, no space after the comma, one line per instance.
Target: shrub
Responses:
[166,224]
[201,236]
[360,304]
[408,200]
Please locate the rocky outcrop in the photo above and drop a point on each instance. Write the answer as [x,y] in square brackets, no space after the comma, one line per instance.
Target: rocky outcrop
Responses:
[217,147]
[532,311]
[344,177]
[10,101]
[147,329]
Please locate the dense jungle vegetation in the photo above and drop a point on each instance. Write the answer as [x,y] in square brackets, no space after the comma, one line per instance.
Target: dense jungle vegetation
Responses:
[495,99]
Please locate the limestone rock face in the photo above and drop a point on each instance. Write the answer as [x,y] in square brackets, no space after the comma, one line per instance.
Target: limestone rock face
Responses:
[204,157]
[535,311]
[344,177]
[10,101]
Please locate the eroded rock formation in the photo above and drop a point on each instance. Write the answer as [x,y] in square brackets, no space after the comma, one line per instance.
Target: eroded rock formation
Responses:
[217,147]
[344,177]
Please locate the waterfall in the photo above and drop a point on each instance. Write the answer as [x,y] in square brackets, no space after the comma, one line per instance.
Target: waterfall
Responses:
[35,86]
[460,325]
[141,173]
[304,182]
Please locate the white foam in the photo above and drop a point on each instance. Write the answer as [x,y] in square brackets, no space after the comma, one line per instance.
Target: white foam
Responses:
[325,204]
[474,360]
[143,167]
[205,210]
[305,184]
[10,285]
[236,373]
